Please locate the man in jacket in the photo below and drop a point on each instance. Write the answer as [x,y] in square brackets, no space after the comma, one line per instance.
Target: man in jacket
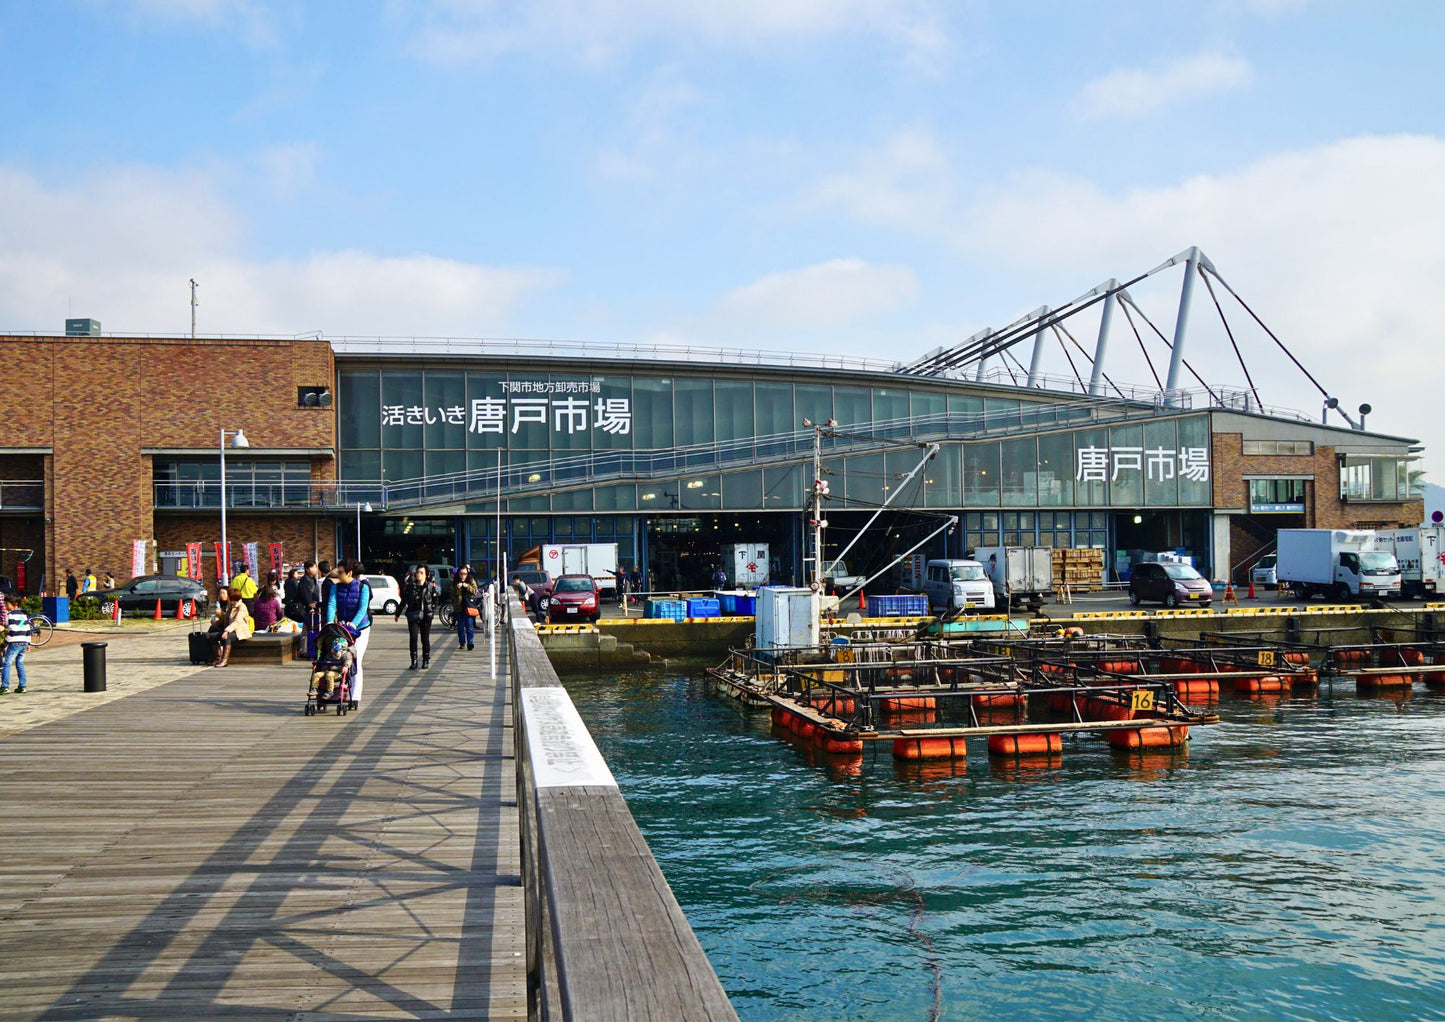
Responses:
[243,581]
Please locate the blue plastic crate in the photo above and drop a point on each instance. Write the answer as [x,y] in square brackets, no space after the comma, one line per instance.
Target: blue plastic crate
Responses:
[676,610]
[747,606]
[908,605]
[703,607]
[728,603]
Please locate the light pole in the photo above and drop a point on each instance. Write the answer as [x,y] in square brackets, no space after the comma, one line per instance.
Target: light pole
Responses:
[360,507]
[238,441]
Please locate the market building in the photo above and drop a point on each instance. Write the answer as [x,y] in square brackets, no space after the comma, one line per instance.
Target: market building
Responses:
[456,451]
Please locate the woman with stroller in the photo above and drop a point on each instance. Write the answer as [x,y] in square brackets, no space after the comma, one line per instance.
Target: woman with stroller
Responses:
[349,602]
[232,624]
[464,596]
[419,598]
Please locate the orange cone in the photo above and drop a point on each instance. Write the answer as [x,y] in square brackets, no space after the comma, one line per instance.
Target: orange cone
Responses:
[862,602]
[1251,587]
[158,609]
[115,610]
[193,609]
[180,610]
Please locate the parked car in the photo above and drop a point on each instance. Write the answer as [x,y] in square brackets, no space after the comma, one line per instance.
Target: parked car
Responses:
[540,582]
[141,593]
[1264,572]
[574,598]
[385,593]
[1170,584]
[443,575]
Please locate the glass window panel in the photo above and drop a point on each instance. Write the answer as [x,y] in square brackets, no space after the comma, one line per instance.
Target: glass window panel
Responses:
[742,490]
[1001,412]
[898,464]
[562,528]
[852,405]
[965,414]
[944,478]
[783,487]
[539,503]
[622,526]
[360,465]
[571,413]
[990,521]
[1020,472]
[402,398]
[616,394]
[735,410]
[981,475]
[1195,470]
[359,409]
[486,387]
[620,497]
[811,402]
[775,415]
[445,462]
[652,415]
[864,478]
[929,410]
[1091,467]
[890,405]
[1161,464]
[529,413]
[693,399]
[572,500]
[397,466]
[446,404]
[697,493]
[1385,479]
[1013,539]
[1126,468]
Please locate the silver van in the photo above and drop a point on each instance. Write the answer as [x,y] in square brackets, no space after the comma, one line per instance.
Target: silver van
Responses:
[957,585]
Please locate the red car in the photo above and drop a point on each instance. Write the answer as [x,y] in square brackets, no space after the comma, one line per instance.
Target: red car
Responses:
[574,598]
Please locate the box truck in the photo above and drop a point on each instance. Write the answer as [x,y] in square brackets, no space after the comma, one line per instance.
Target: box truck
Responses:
[596,559]
[1418,551]
[1021,575]
[1339,563]
[746,565]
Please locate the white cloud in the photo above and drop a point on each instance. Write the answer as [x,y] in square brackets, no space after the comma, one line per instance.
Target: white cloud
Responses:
[905,182]
[121,246]
[596,32]
[836,293]
[650,140]
[252,19]
[1134,92]
[289,168]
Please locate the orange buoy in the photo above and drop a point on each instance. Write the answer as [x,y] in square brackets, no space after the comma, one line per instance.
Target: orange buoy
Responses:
[1433,678]
[1412,657]
[1384,680]
[1157,737]
[779,719]
[1345,657]
[930,748]
[1297,657]
[835,743]
[1267,683]
[1000,700]
[1049,744]
[1196,688]
[906,703]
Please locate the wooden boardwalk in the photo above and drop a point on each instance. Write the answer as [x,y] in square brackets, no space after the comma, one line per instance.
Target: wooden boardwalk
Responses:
[201,850]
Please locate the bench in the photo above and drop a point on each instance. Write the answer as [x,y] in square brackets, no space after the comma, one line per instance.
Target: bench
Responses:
[270,648]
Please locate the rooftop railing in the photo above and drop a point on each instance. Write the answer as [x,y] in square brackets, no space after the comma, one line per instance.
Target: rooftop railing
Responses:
[205,495]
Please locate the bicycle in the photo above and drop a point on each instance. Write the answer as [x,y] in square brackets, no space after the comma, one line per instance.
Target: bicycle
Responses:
[447,615]
[41,629]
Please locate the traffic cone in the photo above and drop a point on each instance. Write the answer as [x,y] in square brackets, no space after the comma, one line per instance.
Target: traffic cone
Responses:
[1251,588]
[180,610]
[193,609]
[1229,596]
[115,611]
[862,602]
[158,609]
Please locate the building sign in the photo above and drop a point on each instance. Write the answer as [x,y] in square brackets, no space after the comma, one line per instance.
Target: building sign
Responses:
[1274,509]
[562,405]
[1105,464]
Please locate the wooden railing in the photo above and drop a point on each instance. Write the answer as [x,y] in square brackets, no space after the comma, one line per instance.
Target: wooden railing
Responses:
[606,939]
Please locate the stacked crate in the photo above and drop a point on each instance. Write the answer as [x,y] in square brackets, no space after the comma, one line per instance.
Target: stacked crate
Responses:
[1079,568]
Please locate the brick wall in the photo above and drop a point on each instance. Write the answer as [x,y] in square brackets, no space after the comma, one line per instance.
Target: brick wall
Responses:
[1323,507]
[98,401]
[304,537]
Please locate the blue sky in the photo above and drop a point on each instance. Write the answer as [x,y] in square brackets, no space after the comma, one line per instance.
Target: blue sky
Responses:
[864,176]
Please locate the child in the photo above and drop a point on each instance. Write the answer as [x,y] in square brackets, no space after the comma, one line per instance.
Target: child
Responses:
[18,630]
[336,659]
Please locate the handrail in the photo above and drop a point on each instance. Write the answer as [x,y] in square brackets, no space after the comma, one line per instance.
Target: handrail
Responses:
[606,938]
[205,494]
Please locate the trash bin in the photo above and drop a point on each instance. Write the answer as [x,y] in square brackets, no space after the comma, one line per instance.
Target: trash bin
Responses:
[93,656]
[57,608]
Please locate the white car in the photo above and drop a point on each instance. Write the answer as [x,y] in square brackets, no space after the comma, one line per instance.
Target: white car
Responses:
[385,593]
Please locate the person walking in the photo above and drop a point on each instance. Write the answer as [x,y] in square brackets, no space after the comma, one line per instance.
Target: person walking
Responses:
[419,598]
[464,595]
[72,584]
[89,584]
[107,581]
[349,602]
[18,630]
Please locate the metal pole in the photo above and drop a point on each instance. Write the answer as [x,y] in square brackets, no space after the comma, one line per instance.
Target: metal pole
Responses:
[193,308]
[1036,362]
[818,508]
[358,530]
[1096,381]
[222,573]
[492,627]
[501,568]
[1181,325]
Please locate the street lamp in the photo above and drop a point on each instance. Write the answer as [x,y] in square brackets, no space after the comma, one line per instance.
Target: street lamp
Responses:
[238,441]
[360,507]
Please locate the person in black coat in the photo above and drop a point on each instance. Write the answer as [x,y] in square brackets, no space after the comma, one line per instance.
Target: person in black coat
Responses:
[419,598]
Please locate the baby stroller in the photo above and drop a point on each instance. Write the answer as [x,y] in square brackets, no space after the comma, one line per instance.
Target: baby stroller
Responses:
[331,670]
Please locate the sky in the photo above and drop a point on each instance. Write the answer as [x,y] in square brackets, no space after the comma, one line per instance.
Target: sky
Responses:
[870,177]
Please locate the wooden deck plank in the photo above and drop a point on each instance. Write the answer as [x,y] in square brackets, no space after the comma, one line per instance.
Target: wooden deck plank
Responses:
[200,849]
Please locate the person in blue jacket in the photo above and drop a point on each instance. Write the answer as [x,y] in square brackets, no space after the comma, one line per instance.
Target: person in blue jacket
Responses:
[349,602]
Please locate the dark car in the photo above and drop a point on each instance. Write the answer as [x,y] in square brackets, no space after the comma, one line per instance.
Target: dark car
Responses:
[539,582]
[141,593]
[574,598]
[1170,584]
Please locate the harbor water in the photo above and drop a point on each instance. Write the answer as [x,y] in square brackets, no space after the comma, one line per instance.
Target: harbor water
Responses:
[1289,864]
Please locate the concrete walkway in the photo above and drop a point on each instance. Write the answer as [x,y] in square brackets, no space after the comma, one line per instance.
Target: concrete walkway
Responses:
[195,848]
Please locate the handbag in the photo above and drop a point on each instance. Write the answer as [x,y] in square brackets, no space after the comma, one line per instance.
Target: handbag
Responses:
[473,612]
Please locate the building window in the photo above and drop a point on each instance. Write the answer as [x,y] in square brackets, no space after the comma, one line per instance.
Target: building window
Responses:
[1276,496]
[1375,479]
[1292,448]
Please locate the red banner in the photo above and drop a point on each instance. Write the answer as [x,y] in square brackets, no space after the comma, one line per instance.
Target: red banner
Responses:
[223,564]
[193,561]
[276,558]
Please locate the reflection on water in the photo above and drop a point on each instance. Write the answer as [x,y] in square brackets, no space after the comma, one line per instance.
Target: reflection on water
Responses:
[1287,864]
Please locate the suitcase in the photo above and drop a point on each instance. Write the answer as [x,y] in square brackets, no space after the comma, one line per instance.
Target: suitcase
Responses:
[202,651]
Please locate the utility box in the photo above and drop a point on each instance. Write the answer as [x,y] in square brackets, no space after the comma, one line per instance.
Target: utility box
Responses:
[82,328]
[746,565]
[786,618]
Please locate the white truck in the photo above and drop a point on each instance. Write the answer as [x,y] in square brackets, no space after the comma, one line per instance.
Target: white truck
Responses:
[957,585]
[746,565]
[1021,575]
[1418,551]
[596,559]
[1339,563]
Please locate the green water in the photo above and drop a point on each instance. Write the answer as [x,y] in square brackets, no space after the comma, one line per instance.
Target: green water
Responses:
[1288,865]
